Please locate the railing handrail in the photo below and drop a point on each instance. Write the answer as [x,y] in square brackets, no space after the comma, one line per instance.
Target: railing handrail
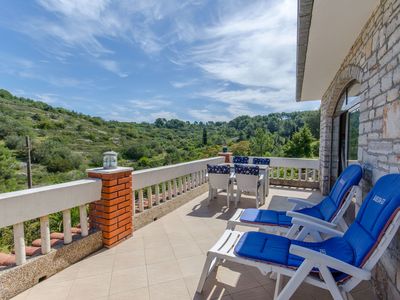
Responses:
[307,163]
[149,177]
[20,206]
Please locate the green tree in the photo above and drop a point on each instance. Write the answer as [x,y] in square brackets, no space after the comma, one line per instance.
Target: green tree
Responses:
[262,143]
[8,170]
[241,148]
[205,142]
[300,144]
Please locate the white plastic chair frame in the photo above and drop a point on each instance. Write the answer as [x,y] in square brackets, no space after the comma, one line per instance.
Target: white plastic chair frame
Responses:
[224,250]
[295,231]
[251,183]
[222,182]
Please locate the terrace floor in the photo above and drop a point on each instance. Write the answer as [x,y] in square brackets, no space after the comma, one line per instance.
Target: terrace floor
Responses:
[164,260]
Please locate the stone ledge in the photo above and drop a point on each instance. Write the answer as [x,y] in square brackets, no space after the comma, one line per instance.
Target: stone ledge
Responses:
[18,279]
[157,211]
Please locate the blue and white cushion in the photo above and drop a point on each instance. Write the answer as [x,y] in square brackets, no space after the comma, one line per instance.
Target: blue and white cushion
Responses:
[247,170]
[240,159]
[218,169]
[261,161]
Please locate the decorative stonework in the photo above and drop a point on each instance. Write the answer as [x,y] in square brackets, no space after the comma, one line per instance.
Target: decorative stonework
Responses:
[112,214]
[374,62]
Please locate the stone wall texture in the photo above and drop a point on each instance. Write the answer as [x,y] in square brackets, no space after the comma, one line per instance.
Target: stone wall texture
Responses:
[374,61]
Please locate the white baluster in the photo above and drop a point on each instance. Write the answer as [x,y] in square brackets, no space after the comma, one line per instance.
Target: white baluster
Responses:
[164,192]
[180,186]
[285,173]
[291,173]
[67,226]
[150,197]
[175,187]
[83,220]
[141,200]
[19,244]
[192,181]
[157,187]
[299,174]
[184,184]
[306,175]
[169,190]
[314,175]
[45,234]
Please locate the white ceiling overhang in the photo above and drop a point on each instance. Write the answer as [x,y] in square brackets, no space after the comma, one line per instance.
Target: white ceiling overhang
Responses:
[327,29]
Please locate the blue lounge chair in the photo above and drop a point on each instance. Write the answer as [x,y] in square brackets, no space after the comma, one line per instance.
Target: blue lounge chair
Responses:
[329,211]
[341,261]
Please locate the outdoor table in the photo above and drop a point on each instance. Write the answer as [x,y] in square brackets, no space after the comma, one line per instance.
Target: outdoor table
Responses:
[264,169]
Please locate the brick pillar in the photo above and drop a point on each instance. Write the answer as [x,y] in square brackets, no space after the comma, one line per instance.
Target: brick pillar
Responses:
[227,156]
[112,214]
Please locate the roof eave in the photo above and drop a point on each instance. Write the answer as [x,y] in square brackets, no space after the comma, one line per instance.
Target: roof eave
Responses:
[304,15]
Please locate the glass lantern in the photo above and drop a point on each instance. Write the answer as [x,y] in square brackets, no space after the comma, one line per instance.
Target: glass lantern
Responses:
[110,160]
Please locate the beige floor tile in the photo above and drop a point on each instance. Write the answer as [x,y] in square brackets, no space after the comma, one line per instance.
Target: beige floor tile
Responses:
[156,241]
[192,265]
[70,273]
[131,259]
[162,272]
[213,289]
[235,281]
[48,291]
[258,293]
[137,294]
[170,290]
[92,287]
[21,296]
[133,244]
[188,250]
[128,279]
[157,255]
[96,265]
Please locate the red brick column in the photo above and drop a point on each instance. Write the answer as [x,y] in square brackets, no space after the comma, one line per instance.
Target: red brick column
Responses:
[227,156]
[112,214]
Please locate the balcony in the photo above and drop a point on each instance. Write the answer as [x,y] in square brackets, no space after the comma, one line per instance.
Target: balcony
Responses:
[164,256]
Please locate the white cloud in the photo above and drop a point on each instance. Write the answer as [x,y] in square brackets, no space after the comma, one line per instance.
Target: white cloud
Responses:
[149,104]
[253,45]
[112,66]
[183,84]
[207,115]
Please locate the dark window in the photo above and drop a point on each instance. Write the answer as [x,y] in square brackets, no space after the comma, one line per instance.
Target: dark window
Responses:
[349,126]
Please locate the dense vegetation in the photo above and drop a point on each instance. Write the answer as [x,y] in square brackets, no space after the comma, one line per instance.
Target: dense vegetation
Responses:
[65,143]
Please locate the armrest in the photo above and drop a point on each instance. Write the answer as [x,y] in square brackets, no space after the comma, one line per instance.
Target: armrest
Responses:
[329,261]
[317,227]
[301,216]
[300,203]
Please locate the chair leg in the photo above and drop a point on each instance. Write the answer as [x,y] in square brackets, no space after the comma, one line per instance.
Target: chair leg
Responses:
[294,283]
[278,284]
[228,197]
[209,265]
[331,284]
[238,192]
[210,193]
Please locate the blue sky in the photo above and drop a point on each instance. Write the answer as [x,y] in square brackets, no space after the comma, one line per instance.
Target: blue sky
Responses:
[138,60]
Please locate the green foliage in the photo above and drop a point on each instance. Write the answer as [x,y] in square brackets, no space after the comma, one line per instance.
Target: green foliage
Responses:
[8,170]
[262,144]
[300,144]
[241,148]
[205,139]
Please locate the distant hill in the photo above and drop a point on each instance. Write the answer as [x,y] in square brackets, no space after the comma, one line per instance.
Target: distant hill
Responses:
[65,143]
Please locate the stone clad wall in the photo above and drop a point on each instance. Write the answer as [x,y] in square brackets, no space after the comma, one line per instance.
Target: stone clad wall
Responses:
[374,61]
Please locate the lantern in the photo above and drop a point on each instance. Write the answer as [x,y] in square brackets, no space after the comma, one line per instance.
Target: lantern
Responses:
[110,160]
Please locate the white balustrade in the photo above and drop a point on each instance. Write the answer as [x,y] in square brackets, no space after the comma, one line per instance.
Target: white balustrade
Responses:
[38,203]
[174,179]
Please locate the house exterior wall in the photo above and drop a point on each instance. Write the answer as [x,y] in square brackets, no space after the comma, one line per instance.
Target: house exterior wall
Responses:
[374,61]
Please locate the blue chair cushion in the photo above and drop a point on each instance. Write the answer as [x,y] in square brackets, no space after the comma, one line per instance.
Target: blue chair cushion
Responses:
[261,161]
[218,169]
[274,249]
[247,170]
[325,210]
[240,160]
[376,212]
[267,217]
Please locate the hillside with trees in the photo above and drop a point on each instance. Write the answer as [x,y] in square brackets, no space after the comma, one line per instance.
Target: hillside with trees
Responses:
[65,143]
